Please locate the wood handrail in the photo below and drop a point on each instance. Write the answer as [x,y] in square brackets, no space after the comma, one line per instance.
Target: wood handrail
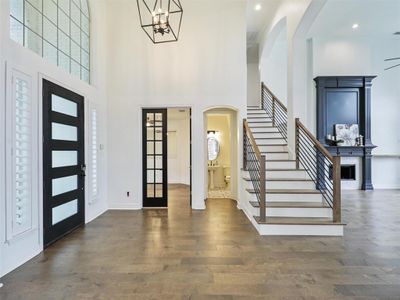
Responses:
[275,98]
[316,142]
[252,139]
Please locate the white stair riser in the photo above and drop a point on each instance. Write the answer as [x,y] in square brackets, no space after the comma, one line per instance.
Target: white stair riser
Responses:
[251,197]
[280,156]
[271,148]
[278,185]
[270,130]
[261,135]
[263,119]
[261,142]
[250,111]
[317,230]
[259,124]
[286,174]
[294,197]
[270,164]
[295,212]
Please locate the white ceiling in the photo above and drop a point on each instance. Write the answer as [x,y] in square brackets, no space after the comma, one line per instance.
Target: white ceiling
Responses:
[258,20]
[375,18]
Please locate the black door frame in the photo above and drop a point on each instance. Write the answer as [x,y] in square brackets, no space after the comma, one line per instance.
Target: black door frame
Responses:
[144,153]
[52,233]
[155,202]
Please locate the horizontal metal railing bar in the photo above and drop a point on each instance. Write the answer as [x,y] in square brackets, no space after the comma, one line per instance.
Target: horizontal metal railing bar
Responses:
[276,98]
[252,139]
[317,143]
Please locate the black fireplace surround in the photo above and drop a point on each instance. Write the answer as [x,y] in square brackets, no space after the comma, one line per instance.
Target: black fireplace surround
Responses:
[346,100]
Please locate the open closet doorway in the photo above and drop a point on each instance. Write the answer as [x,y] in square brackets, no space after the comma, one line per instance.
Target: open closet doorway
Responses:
[179,157]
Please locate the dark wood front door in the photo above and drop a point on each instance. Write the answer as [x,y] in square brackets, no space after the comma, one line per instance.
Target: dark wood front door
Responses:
[155,159]
[63,162]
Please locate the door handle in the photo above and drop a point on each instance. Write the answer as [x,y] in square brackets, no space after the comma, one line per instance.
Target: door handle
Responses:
[83,170]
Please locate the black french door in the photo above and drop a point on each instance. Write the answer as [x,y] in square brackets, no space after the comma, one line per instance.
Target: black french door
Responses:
[155,159]
[63,162]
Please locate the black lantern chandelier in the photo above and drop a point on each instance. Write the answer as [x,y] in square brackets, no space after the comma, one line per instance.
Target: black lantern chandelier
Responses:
[161,20]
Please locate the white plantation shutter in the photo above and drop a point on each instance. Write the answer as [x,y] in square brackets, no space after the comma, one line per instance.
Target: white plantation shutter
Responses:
[94,160]
[21,163]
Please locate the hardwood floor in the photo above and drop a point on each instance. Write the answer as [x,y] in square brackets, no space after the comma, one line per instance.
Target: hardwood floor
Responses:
[216,254]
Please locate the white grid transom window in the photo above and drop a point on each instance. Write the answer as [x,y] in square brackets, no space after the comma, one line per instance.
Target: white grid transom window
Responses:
[57,30]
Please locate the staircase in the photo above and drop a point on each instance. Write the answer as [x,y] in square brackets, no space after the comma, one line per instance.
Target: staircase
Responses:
[293,205]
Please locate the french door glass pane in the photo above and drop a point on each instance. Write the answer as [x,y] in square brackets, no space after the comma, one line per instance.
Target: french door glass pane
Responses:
[150,190]
[150,147]
[64,158]
[159,190]
[64,184]
[64,211]
[150,162]
[158,148]
[159,176]
[159,162]
[64,106]
[158,135]
[150,176]
[64,132]
[150,133]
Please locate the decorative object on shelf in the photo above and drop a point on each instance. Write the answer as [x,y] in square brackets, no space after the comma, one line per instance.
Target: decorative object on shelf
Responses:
[347,133]
[360,141]
[160,20]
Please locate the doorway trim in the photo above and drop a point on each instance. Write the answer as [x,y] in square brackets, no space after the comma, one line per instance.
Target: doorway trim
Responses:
[236,154]
[141,145]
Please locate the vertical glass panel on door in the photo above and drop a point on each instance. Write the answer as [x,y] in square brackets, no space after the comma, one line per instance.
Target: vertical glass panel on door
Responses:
[64,158]
[64,106]
[159,176]
[150,162]
[158,135]
[150,133]
[64,184]
[150,147]
[64,211]
[150,176]
[150,190]
[159,190]
[159,162]
[64,132]
[159,148]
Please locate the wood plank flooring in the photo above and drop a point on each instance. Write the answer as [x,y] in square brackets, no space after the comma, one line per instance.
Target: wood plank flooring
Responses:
[216,254]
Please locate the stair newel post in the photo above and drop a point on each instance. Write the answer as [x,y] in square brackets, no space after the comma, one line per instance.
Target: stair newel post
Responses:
[297,143]
[262,189]
[337,201]
[244,146]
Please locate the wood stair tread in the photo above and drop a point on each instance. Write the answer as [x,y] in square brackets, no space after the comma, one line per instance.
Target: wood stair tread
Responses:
[288,191]
[297,221]
[288,204]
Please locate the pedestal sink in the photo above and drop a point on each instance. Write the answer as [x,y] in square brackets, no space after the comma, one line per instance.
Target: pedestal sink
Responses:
[212,169]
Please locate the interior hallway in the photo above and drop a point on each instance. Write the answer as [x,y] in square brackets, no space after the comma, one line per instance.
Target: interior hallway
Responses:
[184,254]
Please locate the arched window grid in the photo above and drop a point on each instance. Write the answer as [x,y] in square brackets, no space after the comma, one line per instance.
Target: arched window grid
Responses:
[57,30]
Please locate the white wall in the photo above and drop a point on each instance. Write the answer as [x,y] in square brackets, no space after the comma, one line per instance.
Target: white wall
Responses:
[273,67]
[253,85]
[365,56]
[205,68]
[16,251]
[179,162]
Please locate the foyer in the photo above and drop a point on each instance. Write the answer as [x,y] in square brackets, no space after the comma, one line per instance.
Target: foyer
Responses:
[199,149]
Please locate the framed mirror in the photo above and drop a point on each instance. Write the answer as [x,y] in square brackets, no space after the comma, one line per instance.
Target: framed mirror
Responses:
[213,148]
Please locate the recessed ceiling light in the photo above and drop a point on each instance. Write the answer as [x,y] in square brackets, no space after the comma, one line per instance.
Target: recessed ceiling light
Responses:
[355,26]
[258,6]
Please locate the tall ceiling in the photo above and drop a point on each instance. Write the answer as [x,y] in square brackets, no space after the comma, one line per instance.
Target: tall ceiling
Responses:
[257,20]
[374,18]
